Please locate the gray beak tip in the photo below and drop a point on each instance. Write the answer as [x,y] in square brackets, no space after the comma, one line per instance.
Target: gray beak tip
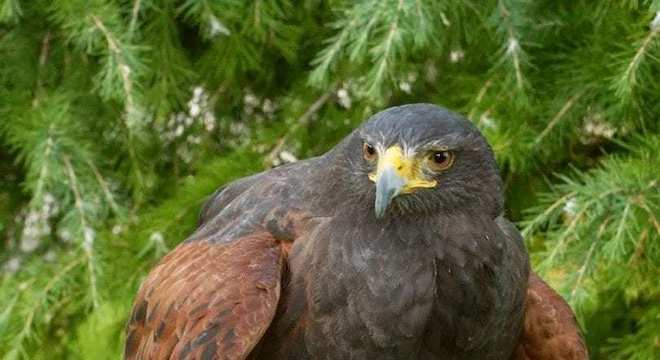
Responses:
[388,186]
[379,213]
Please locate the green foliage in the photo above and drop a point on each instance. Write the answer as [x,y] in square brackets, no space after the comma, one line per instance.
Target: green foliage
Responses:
[602,235]
[375,33]
[99,336]
[118,118]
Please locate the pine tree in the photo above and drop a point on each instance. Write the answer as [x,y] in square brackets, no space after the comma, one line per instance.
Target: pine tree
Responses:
[120,117]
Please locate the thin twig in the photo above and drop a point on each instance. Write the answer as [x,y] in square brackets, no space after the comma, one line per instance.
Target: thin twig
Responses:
[555,120]
[622,222]
[639,248]
[43,57]
[514,51]
[547,212]
[564,235]
[87,246]
[629,74]
[257,13]
[302,121]
[125,72]
[583,270]
[43,172]
[384,57]
[124,69]
[480,97]
[134,15]
[603,226]
[104,187]
[40,298]
[572,225]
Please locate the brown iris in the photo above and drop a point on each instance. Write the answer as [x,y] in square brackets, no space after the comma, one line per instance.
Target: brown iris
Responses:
[441,160]
[369,152]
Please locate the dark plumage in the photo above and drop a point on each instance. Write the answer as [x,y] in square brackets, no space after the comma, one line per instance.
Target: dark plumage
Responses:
[393,245]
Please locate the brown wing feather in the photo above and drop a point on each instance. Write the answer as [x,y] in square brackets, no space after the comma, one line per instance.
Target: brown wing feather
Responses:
[207,301]
[550,330]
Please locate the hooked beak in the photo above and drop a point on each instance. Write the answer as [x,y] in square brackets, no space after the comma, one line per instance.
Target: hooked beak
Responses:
[388,186]
[396,174]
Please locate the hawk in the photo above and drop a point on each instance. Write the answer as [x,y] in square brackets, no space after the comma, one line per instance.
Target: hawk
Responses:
[392,245]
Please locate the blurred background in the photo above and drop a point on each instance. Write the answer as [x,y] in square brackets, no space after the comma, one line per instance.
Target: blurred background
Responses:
[119,117]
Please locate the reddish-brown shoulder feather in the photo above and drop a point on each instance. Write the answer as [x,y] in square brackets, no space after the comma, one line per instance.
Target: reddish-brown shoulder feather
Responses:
[550,331]
[207,301]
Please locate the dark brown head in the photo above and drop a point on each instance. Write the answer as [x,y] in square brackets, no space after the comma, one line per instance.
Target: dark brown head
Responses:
[421,158]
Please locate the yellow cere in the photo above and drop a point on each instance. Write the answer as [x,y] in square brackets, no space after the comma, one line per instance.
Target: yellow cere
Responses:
[408,168]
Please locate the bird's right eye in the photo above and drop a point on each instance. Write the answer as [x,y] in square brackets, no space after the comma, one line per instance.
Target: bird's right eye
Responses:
[369,152]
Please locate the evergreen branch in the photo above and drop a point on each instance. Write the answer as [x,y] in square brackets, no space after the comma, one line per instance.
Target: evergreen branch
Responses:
[326,59]
[654,221]
[256,13]
[375,35]
[581,272]
[135,12]
[135,161]
[6,316]
[561,239]
[43,171]
[533,224]
[639,248]
[385,57]
[38,301]
[603,226]
[124,68]
[43,56]
[509,24]
[272,26]
[87,232]
[513,49]
[555,119]
[205,16]
[641,344]
[156,242]
[22,336]
[639,55]
[628,80]
[620,229]
[329,55]
[132,113]
[480,96]
[104,186]
[357,48]
[303,120]
[9,307]
[10,11]
[560,243]
[617,190]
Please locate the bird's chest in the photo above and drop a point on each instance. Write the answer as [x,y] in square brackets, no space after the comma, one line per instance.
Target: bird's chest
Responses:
[368,299]
[357,295]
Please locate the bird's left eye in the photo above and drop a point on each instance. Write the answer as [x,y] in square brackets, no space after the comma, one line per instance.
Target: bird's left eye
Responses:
[441,160]
[369,152]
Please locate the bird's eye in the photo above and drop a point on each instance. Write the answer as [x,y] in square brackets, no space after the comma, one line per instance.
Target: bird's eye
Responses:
[441,160]
[369,152]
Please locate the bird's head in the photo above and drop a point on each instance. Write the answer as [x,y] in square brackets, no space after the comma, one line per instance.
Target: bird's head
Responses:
[421,158]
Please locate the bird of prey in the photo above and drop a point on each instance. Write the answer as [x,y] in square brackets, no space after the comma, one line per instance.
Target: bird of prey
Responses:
[392,245]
